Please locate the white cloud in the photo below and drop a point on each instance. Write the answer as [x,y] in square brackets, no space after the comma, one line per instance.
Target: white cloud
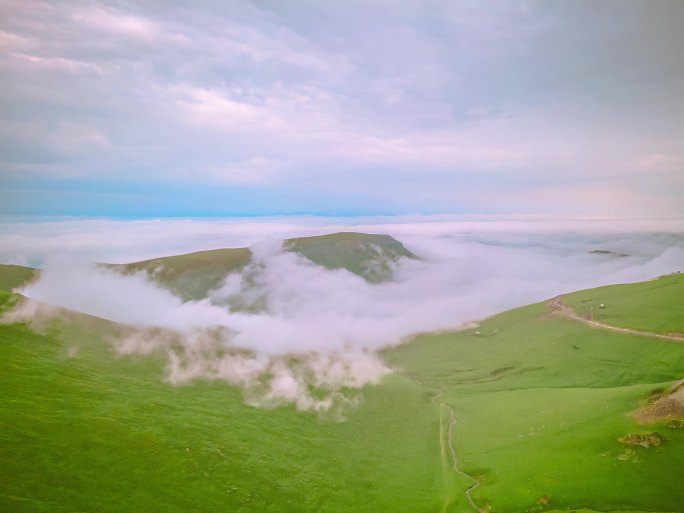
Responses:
[313,327]
[60,65]
[215,109]
[118,241]
[253,171]
[111,21]
[475,103]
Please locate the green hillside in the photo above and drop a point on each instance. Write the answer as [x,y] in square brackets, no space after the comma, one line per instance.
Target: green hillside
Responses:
[367,255]
[193,275]
[654,305]
[536,408]
[541,402]
[12,276]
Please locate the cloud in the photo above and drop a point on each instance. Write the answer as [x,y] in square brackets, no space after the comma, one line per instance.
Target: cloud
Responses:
[288,331]
[33,240]
[471,102]
[110,21]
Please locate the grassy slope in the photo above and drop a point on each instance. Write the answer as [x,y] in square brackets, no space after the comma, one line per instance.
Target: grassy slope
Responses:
[192,275]
[356,252]
[84,430]
[12,276]
[540,402]
[385,241]
[656,305]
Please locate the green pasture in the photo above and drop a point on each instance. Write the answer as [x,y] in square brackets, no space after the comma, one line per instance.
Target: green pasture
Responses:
[656,305]
[12,276]
[539,400]
[84,430]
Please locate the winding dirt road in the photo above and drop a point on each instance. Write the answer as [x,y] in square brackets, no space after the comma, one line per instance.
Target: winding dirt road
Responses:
[557,305]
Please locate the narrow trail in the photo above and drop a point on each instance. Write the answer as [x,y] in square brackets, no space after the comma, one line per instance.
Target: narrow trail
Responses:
[448,454]
[454,466]
[557,305]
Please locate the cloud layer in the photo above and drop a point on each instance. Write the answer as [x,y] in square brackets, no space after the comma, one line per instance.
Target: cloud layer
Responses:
[310,333]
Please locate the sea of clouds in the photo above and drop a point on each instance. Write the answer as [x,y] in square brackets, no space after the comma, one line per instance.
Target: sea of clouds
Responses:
[319,333]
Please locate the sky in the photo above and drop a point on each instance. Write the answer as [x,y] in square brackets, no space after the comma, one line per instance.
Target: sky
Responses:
[237,108]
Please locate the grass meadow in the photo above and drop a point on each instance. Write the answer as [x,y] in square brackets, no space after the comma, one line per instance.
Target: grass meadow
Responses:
[539,403]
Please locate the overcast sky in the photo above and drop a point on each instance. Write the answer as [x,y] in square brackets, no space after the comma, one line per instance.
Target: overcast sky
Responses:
[160,108]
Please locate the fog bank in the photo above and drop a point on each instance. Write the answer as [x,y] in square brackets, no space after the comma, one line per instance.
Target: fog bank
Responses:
[304,333]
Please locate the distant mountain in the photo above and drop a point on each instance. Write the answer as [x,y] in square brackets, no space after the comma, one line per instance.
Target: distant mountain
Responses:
[193,275]
[12,276]
[369,256]
[607,252]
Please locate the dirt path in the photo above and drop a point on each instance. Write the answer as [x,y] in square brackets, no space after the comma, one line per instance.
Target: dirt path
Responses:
[452,453]
[557,305]
[455,466]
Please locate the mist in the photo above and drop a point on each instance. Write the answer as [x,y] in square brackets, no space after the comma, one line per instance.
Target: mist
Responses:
[287,331]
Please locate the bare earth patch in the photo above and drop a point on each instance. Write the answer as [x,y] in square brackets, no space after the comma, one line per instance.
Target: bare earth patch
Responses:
[666,406]
[644,440]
